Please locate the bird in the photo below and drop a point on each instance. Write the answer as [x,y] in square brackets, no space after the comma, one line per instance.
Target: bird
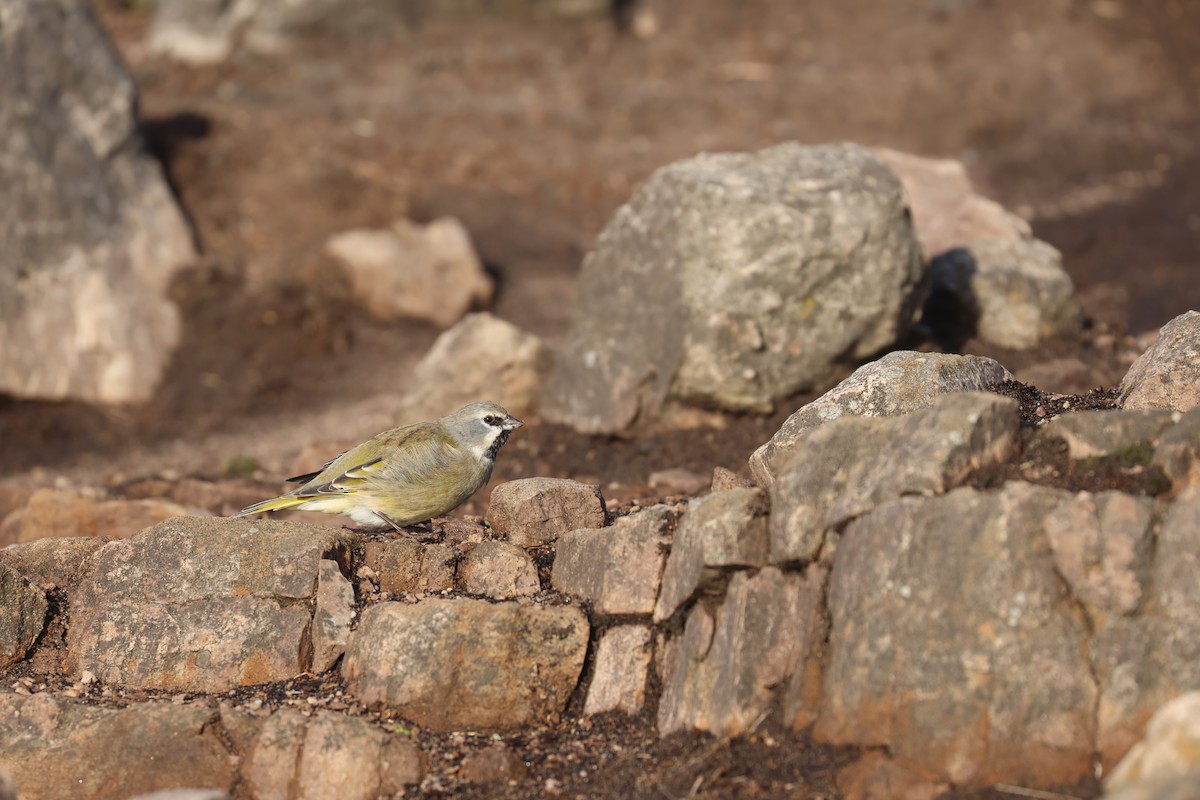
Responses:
[405,475]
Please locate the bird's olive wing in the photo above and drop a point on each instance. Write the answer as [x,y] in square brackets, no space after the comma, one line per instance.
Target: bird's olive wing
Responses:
[407,455]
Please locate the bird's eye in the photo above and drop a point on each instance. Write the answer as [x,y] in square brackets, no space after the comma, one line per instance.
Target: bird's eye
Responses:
[492,419]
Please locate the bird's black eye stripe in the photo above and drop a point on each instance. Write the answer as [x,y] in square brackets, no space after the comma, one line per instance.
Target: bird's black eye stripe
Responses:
[492,419]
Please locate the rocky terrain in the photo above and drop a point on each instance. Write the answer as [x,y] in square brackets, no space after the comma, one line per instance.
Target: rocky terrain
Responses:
[839,478]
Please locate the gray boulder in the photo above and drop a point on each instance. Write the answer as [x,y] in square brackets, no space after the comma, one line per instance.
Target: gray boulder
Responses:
[734,280]
[899,383]
[90,234]
[849,466]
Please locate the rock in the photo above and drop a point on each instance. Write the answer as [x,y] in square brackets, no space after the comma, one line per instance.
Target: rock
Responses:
[458,663]
[401,764]
[481,356]
[946,209]
[492,765]
[52,563]
[55,748]
[1178,451]
[1168,374]
[617,569]
[184,794]
[678,481]
[899,383]
[1102,544]
[459,532]
[621,668]
[1015,294]
[92,233]
[1144,659]
[719,674]
[498,570]
[950,645]
[724,529]
[1169,752]
[875,776]
[67,513]
[200,604]
[326,757]
[428,272]
[23,610]
[853,464]
[734,280]
[1091,434]
[333,616]
[723,479]
[406,565]
[532,512]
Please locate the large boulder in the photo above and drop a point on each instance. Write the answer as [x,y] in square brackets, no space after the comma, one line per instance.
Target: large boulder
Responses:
[202,604]
[734,280]
[90,235]
[1168,374]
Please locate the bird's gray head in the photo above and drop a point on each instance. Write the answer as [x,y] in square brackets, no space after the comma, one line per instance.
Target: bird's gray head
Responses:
[484,427]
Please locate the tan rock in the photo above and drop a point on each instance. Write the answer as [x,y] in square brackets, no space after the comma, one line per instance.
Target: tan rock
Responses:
[492,765]
[65,513]
[52,563]
[333,616]
[535,511]
[618,568]
[460,663]
[1168,374]
[1178,451]
[55,748]
[200,604]
[428,272]
[498,570]
[406,565]
[1169,752]
[875,776]
[23,609]
[622,666]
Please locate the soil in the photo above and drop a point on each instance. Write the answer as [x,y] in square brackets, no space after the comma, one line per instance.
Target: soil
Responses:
[1081,115]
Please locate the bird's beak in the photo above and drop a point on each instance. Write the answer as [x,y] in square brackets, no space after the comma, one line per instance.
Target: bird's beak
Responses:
[511,423]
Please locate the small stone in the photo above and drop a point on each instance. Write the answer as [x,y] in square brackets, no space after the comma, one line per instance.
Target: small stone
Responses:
[426,272]
[532,512]
[1167,755]
[402,764]
[498,570]
[617,569]
[1168,374]
[1091,434]
[723,479]
[1177,454]
[333,617]
[622,666]
[678,482]
[23,609]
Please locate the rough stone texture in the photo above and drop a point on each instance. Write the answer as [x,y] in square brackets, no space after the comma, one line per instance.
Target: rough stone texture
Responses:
[498,570]
[405,565]
[950,644]
[1168,754]
[200,604]
[734,280]
[1144,660]
[724,479]
[1102,546]
[56,748]
[458,663]
[23,610]
[617,569]
[326,757]
[724,529]
[92,234]
[718,675]
[853,464]
[899,383]
[428,272]
[63,512]
[402,763]
[535,511]
[1090,434]
[1168,374]
[1178,451]
[622,665]
[1016,293]
[333,616]
[481,356]
[493,765]
[52,563]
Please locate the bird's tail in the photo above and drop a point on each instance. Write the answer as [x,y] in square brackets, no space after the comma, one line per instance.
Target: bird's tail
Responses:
[274,504]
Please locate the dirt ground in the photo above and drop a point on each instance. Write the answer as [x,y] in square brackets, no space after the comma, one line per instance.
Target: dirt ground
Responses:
[1081,115]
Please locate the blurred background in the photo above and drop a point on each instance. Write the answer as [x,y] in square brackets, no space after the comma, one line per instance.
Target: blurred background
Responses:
[281,125]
